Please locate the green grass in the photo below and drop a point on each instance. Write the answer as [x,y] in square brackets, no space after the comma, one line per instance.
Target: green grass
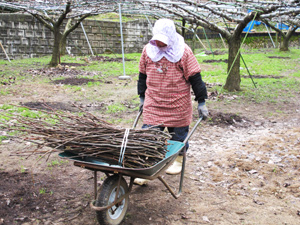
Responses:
[263,65]
[3,137]
[258,62]
[17,69]
[22,111]
[9,112]
[54,163]
[115,108]
[112,17]
[269,89]
[4,92]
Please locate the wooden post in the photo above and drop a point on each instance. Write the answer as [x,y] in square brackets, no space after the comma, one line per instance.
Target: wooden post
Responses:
[183,28]
[4,52]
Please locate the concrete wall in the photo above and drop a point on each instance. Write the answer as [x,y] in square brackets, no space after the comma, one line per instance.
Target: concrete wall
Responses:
[23,36]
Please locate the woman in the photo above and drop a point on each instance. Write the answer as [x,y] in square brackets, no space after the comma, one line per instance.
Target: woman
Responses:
[168,69]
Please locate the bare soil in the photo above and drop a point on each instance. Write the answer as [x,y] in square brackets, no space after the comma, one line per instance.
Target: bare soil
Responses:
[243,165]
[263,76]
[215,61]
[278,57]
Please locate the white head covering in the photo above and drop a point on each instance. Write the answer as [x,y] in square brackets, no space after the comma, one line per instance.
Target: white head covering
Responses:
[164,30]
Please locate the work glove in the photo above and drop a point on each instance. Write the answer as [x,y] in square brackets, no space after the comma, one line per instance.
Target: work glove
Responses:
[142,99]
[202,110]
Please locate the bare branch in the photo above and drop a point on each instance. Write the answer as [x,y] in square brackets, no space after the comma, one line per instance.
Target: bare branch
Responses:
[71,28]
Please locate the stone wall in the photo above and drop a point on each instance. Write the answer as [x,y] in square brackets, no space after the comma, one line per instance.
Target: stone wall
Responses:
[254,40]
[23,36]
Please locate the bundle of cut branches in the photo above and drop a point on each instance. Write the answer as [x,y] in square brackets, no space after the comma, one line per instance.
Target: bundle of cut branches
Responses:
[89,136]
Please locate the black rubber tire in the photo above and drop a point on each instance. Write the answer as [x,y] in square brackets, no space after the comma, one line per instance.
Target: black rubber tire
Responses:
[106,197]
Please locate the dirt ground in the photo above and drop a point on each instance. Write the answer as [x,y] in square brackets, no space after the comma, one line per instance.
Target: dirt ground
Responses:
[243,167]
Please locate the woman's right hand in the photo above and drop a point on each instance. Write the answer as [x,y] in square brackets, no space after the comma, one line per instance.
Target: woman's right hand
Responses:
[142,99]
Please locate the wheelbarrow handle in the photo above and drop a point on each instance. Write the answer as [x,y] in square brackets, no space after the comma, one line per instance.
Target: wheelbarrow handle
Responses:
[193,130]
[137,118]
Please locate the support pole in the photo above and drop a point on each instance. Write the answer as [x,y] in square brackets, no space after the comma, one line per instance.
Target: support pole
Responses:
[124,77]
[222,40]
[208,42]
[192,30]
[4,52]
[149,21]
[68,50]
[270,35]
[198,39]
[87,39]
[240,47]
[248,71]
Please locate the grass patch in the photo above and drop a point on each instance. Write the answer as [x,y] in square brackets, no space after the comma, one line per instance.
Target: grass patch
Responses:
[3,137]
[278,82]
[271,64]
[55,163]
[22,111]
[10,112]
[115,108]
[112,17]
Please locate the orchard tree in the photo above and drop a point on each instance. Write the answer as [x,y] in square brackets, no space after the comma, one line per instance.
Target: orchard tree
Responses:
[62,17]
[214,15]
[293,25]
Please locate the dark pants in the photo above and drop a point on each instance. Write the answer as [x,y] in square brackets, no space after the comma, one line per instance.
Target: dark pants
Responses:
[178,133]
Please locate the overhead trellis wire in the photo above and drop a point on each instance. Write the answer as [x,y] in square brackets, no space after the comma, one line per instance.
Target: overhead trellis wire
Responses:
[200,13]
[53,8]
[210,8]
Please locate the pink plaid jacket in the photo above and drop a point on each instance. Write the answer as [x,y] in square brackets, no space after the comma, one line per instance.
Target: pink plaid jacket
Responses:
[168,100]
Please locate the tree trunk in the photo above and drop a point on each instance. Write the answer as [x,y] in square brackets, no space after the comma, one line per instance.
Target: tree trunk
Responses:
[285,44]
[233,79]
[55,60]
[63,44]
[286,38]
[193,42]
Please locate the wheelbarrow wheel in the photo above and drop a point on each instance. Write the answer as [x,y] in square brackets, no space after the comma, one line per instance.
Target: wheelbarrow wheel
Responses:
[115,214]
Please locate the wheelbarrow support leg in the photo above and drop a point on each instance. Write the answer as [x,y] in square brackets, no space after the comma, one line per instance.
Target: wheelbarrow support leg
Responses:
[183,163]
[181,179]
[95,184]
[182,171]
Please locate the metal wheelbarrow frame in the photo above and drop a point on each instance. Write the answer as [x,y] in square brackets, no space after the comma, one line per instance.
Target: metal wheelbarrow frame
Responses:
[111,207]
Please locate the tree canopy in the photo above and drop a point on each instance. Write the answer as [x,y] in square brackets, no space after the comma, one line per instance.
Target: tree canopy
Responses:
[56,14]
[217,15]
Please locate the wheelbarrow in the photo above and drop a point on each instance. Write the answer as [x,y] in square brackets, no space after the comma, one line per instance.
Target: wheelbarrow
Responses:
[112,201]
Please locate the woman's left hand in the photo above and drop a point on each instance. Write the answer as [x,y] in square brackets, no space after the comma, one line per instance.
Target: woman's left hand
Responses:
[202,110]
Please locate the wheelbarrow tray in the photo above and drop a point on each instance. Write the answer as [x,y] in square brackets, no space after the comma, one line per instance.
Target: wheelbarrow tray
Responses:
[93,163]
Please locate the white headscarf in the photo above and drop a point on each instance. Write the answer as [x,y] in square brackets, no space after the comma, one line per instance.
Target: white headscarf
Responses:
[164,30]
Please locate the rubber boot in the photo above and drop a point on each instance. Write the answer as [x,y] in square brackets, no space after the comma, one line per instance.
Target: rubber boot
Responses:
[140,181]
[176,167]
